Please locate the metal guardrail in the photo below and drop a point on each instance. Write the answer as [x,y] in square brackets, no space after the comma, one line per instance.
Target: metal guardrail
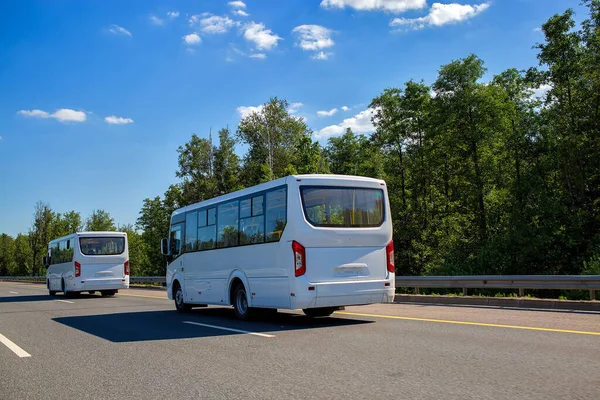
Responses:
[520,282]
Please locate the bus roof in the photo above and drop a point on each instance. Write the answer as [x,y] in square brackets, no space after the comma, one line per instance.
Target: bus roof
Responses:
[270,185]
[96,233]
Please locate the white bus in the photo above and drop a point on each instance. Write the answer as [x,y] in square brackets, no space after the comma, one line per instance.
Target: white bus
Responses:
[311,242]
[88,262]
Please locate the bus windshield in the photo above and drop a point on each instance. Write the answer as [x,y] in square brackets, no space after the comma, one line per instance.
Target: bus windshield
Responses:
[342,207]
[102,246]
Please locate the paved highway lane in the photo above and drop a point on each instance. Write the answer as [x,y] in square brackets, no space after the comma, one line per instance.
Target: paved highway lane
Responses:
[136,346]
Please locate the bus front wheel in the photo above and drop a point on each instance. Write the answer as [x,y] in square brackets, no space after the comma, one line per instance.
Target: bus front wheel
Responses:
[179,299]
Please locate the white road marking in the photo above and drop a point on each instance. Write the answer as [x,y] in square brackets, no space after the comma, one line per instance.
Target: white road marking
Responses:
[230,329]
[14,292]
[15,349]
[66,301]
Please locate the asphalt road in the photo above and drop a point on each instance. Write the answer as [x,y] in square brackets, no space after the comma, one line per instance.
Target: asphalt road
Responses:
[135,345]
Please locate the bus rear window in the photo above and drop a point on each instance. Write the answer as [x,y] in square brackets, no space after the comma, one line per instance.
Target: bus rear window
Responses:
[340,207]
[102,246]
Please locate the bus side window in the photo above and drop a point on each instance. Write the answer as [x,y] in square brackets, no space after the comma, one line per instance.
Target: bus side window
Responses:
[276,215]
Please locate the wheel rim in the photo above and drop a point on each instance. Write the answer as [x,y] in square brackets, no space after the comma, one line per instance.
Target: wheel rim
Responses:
[179,297]
[242,302]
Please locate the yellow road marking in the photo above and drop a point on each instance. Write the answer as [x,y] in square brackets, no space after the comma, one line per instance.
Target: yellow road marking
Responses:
[443,321]
[147,297]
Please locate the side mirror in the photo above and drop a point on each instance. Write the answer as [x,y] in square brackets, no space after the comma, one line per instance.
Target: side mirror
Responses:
[164,246]
[45,261]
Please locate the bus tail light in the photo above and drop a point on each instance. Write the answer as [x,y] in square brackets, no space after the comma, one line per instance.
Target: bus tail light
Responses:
[77,269]
[389,255]
[299,258]
[126,265]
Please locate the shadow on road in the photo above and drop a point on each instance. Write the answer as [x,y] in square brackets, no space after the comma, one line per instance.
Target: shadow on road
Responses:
[44,297]
[168,325]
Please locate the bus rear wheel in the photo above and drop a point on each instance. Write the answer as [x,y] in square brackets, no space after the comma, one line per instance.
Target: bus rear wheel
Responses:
[319,312]
[240,303]
[106,293]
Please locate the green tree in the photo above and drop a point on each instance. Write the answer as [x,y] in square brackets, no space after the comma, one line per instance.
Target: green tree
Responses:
[23,257]
[196,170]
[40,234]
[226,164]
[273,136]
[139,262]
[7,255]
[100,220]
[65,224]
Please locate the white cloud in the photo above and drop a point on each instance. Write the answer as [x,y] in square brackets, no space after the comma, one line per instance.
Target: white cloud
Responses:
[345,108]
[313,37]
[542,91]
[114,120]
[216,25]
[321,56]
[173,14]
[63,115]
[442,14]
[241,13]
[0,137]
[119,30]
[327,113]
[263,38]
[360,123]
[294,107]
[192,39]
[247,110]
[396,6]
[237,4]
[538,29]
[156,21]
[258,55]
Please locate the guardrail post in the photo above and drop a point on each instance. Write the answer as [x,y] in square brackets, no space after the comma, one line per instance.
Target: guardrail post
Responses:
[416,290]
[465,291]
[521,292]
[592,294]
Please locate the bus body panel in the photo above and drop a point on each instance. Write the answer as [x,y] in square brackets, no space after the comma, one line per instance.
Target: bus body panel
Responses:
[207,275]
[98,272]
[344,266]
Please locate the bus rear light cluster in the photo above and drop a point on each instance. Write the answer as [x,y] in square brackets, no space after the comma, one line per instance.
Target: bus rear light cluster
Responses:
[126,266]
[299,258]
[389,255]
[77,269]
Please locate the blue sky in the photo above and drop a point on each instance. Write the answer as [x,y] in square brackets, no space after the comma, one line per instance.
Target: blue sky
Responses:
[96,96]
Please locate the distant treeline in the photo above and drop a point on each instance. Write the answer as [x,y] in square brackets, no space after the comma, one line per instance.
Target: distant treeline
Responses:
[484,177]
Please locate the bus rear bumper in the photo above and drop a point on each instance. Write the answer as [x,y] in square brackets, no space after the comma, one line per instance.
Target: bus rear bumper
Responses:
[338,294]
[103,284]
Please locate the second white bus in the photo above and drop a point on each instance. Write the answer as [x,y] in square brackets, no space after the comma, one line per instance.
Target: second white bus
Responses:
[311,242]
[88,262]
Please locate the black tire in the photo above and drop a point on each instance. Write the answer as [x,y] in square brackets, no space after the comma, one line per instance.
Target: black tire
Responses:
[50,292]
[107,293]
[179,299]
[240,303]
[319,312]
[63,288]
